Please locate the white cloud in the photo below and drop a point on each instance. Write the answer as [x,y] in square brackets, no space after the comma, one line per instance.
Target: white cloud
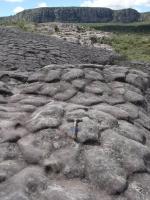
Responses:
[13,1]
[42,4]
[116,4]
[18,9]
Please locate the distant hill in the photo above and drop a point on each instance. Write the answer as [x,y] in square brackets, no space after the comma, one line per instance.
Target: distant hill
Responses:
[145,16]
[76,14]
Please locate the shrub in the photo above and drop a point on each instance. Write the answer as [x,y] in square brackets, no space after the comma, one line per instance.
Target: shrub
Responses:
[56,29]
[94,39]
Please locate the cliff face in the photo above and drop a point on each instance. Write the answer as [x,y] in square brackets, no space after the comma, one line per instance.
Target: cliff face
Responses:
[145,16]
[67,15]
[78,14]
[126,15]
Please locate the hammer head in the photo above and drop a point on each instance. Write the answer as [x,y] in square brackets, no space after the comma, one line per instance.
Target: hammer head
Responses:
[78,120]
[75,120]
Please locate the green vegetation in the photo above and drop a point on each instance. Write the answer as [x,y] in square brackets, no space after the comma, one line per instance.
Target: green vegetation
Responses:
[132,46]
[137,27]
[132,41]
[22,24]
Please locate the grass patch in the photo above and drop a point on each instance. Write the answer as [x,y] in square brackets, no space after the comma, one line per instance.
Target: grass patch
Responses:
[132,40]
[131,46]
[21,24]
[137,27]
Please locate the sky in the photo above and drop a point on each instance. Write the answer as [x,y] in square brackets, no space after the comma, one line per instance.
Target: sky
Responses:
[11,7]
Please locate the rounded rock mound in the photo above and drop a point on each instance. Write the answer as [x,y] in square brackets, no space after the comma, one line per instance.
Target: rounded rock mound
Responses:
[77,132]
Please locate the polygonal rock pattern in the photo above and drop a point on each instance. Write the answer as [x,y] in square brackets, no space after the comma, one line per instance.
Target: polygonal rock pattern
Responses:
[30,51]
[74,132]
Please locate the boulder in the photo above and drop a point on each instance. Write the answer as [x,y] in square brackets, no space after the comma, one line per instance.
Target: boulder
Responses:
[50,117]
[103,171]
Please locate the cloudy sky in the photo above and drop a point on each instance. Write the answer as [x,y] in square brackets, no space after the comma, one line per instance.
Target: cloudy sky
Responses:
[10,7]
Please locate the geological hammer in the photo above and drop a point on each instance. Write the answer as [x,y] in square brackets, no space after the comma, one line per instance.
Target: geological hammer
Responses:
[75,126]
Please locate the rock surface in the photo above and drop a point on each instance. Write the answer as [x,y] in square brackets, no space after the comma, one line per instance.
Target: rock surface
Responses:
[74,33]
[28,51]
[74,132]
[76,129]
[78,15]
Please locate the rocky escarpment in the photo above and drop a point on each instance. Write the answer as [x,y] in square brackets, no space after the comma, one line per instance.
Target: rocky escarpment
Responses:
[28,51]
[77,15]
[126,15]
[145,16]
[78,132]
[75,34]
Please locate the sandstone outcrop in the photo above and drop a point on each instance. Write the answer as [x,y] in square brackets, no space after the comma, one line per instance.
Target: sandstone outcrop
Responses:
[76,15]
[73,125]
[45,154]
[75,34]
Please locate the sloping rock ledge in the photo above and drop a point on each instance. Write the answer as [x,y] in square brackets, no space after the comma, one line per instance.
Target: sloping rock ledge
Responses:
[74,132]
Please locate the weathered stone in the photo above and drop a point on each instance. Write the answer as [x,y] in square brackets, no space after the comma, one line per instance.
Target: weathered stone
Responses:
[10,168]
[26,108]
[34,100]
[86,99]
[55,133]
[130,154]
[144,120]
[72,107]
[16,196]
[139,72]
[53,88]
[31,153]
[53,75]
[48,117]
[103,171]
[97,87]
[138,81]
[12,131]
[30,181]
[65,161]
[106,120]
[134,97]
[60,91]
[37,76]
[3,176]
[5,90]
[139,187]
[93,75]
[30,51]
[112,110]
[9,151]
[131,109]
[131,131]
[132,88]
[114,99]
[65,95]
[79,83]
[115,73]
[73,74]
[33,88]
[88,131]
[67,190]
[76,114]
